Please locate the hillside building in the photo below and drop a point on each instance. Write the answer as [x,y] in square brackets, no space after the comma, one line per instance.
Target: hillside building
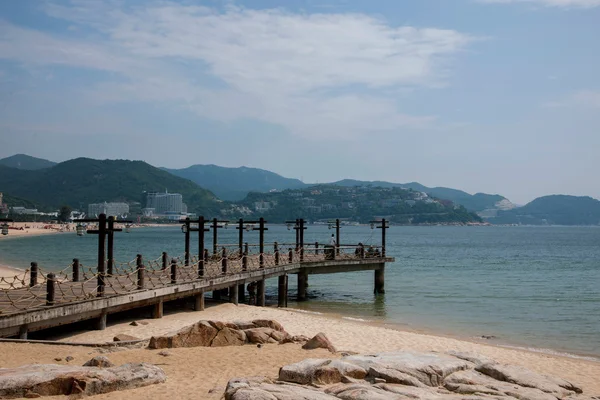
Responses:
[110,209]
[165,203]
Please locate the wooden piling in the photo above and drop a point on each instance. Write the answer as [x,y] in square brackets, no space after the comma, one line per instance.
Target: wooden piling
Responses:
[76,267]
[281,291]
[260,293]
[241,293]
[224,261]
[101,255]
[173,271]
[33,274]
[101,321]
[379,281]
[140,272]
[302,279]
[23,329]
[110,238]
[276,252]
[157,310]
[199,302]
[165,260]
[233,294]
[50,289]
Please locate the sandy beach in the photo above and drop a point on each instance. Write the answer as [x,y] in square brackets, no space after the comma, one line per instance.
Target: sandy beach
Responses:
[204,372]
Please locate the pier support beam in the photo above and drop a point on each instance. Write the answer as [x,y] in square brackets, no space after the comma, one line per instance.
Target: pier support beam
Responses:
[23,332]
[101,322]
[157,310]
[233,294]
[260,293]
[216,294]
[199,302]
[242,293]
[302,283]
[282,291]
[379,281]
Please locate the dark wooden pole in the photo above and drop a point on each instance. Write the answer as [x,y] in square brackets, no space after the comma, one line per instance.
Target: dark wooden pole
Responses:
[33,275]
[173,271]
[165,260]
[76,268]
[281,291]
[337,236]
[379,280]
[50,289]
[276,252]
[224,261]
[110,235]
[215,227]
[301,237]
[201,247]
[262,246]
[245,258]
[260,293]
[101,255]
[296,228]
[187,241]
[302,279]
[291,256]
[241,236]
[383,229]
[140,271]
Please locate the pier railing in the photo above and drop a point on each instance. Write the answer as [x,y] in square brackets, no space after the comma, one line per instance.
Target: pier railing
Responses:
[38,288]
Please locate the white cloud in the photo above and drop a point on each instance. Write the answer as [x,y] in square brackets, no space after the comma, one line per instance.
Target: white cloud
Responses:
[552,3]
[316,74]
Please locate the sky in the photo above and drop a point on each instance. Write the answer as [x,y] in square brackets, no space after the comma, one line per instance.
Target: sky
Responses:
[494,96]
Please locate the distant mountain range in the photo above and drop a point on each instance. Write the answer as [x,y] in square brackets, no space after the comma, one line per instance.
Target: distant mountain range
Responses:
[234,184]
[82,181]
[29,180]
[23,161]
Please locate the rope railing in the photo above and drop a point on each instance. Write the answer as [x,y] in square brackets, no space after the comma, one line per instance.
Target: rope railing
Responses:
[37,287]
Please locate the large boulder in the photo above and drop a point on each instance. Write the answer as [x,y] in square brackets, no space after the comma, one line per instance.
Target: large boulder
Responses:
[55,380]
[406,375]
[268,323]
[319,341]
[229,337]
[201,334]
[260,335]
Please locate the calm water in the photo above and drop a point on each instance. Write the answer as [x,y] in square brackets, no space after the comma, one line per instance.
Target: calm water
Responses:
[527,286]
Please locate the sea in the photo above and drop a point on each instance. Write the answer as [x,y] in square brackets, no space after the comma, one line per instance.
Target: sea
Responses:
[536,288]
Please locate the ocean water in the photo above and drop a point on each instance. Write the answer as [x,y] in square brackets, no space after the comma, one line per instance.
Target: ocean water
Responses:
[533,287]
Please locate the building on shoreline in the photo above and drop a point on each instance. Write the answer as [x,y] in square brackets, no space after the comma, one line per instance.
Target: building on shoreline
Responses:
[110,209]
[165,203]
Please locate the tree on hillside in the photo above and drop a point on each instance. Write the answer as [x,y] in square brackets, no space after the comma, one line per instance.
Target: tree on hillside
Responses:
[64,215]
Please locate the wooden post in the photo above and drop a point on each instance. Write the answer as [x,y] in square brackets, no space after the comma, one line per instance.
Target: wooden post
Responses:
[296,228]
[50,289]
[224,261]
[110,236]
[245,258]
[101,255]
[286,290]
[199,302]
[383,229]
[23,332]
[101,321]
[302,278]
[261,239]
[140,272]
[233,294]
[240,228]
[291,256]
[157,310]
[165,261]
[379,280]
[187,241]
[241,293]
[281,291]
[337,236]
[173,271]
[201,250]
[260,293]
[216,295]
[301,236]
[215,227]
[317,248]
[33,274]
[205,255]
[276,251]
[76,267]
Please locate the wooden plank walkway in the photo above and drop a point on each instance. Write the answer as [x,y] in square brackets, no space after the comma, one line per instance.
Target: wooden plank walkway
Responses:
[24,308]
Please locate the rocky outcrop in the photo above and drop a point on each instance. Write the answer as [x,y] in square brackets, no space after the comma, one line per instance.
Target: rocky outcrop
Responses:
[319,341]
[53,380]
[405,375]
[217,334]
[99,361]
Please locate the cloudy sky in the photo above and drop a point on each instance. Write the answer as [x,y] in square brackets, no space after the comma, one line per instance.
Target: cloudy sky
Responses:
[496,96]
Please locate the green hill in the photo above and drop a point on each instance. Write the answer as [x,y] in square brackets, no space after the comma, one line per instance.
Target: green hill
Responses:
[553,210]
[476,202]
[82,181]
[235,183]
[23,161]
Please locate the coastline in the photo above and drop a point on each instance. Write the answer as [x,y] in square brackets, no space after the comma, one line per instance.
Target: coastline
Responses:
[352,335]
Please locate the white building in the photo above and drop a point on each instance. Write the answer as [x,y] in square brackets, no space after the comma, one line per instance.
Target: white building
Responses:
[110,209]
[166,203]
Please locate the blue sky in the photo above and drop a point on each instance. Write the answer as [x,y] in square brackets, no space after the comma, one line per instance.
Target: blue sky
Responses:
[495,96]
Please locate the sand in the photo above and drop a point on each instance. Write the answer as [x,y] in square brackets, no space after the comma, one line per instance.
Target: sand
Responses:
[192,373]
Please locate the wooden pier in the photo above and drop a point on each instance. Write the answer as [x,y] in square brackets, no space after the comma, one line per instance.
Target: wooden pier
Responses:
[40,300]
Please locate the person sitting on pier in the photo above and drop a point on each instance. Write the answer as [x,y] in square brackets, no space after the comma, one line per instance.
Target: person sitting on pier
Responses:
[332,240]
[370,252]
[358,250]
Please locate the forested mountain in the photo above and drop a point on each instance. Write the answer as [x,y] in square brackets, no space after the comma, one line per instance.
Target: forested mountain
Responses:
[553,210]
[359,204]
[82,181]
[235,183]
[475,202]
[23,161]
